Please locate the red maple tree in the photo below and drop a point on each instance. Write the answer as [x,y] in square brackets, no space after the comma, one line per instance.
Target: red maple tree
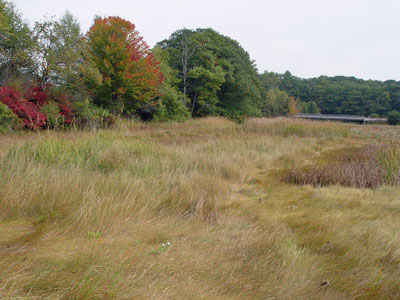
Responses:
[130,75]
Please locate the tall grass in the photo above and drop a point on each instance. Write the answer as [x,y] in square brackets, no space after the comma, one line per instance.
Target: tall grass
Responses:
[388,157]
[294,127]
[193,211]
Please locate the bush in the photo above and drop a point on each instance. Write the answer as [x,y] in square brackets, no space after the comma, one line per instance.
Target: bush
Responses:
[87,115]
[54,118]
[36,95]
[83,109]
[39,109]
[8,120]
[58,98]
[394,118]
[27,111]
[169,107]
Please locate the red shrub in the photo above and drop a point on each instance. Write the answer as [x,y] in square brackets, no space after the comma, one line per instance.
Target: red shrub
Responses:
[40,97]
[36,95]
[64,104]
[27,111]
[66,112]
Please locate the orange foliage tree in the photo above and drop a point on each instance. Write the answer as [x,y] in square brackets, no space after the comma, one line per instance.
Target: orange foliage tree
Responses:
[129,74]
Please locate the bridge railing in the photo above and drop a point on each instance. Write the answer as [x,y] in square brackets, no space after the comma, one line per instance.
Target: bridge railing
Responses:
[343,118]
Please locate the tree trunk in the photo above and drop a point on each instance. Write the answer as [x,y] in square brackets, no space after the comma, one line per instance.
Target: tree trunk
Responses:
[187,54]
[193,105]
[184,65]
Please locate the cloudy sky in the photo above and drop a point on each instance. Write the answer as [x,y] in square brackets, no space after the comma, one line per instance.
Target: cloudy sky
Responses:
[307,37]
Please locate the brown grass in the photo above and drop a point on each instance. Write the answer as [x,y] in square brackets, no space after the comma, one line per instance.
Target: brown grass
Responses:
[368,166]
[193,211]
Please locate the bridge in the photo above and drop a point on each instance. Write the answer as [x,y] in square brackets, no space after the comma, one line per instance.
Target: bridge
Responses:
[341,118]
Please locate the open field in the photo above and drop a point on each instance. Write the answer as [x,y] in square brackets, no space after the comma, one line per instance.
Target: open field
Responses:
[196,210]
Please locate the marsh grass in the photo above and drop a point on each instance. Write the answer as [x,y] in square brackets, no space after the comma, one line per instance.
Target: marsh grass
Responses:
[388,158]
[84,214]
[368,166]
[300,128]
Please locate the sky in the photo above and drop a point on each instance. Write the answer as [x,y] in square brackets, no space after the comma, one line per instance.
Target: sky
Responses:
[309,38]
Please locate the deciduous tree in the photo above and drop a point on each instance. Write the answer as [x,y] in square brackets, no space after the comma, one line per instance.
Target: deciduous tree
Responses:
[170,102]
[130,75]
[292,107]
[15,43]
[216,73]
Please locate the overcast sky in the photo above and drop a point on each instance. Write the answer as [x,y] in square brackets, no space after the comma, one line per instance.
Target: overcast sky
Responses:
[307,37]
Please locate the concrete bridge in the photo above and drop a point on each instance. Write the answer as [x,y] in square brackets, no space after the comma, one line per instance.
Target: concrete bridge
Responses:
[341,118]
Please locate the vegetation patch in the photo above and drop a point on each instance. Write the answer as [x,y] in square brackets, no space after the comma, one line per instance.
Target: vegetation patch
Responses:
[293,127]
[368,166]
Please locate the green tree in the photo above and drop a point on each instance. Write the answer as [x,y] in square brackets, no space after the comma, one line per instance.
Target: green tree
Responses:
[70,50]
[4,26]
[45,54]
[394,117]
[270,80]
[207,83]
[275,103]
[15,43]
[216,73]
[310,107]
[170,102]
[313,108]
[58,53]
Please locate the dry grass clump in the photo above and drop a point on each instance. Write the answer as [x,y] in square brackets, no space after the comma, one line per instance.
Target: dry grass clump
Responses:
[295,127]
[363,167]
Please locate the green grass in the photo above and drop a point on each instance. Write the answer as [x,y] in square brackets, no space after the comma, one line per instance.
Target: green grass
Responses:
[193,210]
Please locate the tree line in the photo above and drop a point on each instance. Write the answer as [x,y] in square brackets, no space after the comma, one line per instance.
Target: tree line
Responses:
[54,75]
[339,94]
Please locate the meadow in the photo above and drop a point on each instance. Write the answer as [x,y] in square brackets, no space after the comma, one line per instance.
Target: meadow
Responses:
[205,209]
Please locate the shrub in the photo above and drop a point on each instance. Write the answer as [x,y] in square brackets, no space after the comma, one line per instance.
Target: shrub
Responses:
[171,107]
[36,95]
[63,103]
[27,111]
[52,111]
[39,108]
[394,118]
[41,97]
[8,120]
[87,115]
[83,109]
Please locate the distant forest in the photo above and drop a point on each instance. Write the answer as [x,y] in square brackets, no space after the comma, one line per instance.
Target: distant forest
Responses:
[53,75]
[339,94]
